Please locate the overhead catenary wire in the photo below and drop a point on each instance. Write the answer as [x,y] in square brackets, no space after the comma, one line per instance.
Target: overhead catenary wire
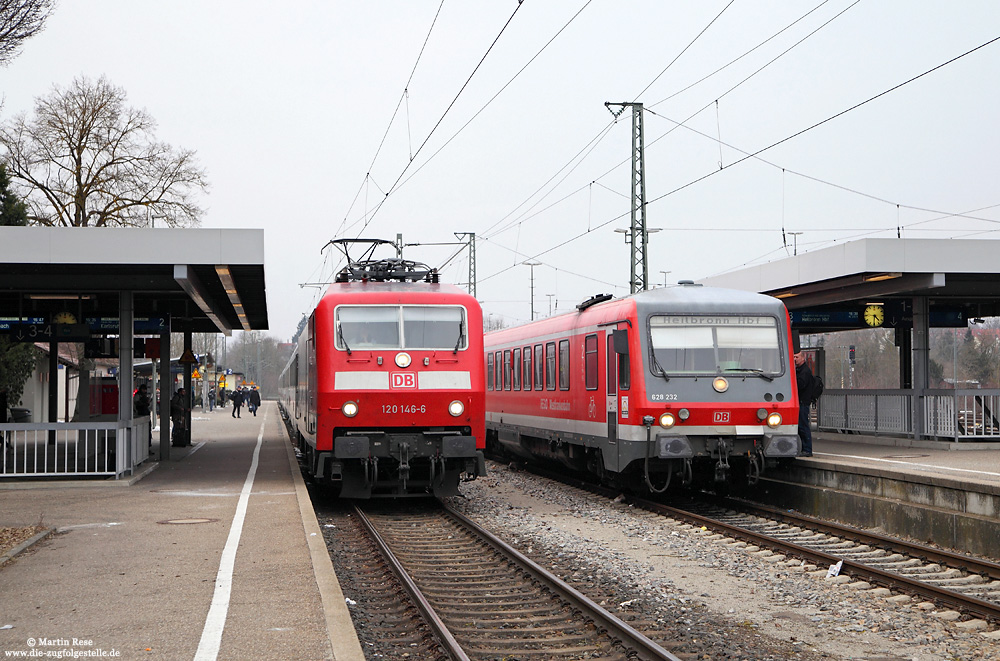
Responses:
[759,151]
[403,97]
[444,114]
[720,69]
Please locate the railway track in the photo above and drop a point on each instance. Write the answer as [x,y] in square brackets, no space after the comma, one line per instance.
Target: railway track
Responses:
[483,600]
[387,622]
[968,585]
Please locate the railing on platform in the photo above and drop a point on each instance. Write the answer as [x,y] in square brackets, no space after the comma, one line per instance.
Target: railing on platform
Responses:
[73,449]
[959,415]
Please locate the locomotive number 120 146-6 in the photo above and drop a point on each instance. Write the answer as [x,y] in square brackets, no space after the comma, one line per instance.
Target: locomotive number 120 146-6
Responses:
[391,409]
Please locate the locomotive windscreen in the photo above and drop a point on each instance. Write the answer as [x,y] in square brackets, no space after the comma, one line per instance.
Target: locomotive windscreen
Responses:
[709,344]
[423,327]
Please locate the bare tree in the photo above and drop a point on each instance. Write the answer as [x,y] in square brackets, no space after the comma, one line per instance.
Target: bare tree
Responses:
[20,20]
[87,159]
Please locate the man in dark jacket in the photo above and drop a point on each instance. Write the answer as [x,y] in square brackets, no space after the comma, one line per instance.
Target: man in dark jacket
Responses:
[254,396]
[141,407]
[804,383]
[237,399]
[178,418]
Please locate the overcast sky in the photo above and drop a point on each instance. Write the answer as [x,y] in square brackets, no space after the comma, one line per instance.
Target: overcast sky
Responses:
[286,108]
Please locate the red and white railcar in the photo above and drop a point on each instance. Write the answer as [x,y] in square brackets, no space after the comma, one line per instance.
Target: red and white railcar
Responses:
[385,391]
[685,381]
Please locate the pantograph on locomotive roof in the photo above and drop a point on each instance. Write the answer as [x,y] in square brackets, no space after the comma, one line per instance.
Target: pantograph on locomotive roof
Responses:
[367,268]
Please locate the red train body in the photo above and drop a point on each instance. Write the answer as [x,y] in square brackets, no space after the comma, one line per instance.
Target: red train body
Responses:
[385,391]
[685,381]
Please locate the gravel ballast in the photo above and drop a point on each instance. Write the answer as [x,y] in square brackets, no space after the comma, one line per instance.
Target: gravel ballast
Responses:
[726,596]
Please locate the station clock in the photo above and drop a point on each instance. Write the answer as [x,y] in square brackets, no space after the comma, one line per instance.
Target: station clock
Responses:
[64,318]
[874,315]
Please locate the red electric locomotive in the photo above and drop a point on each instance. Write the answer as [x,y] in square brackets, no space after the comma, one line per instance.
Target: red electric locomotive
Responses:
[690,382]
[385,390]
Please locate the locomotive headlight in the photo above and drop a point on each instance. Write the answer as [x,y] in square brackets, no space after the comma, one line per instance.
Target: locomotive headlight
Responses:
[720,384]
[350,409]
[667,420]
[774,420]
[456,408]
[403,359]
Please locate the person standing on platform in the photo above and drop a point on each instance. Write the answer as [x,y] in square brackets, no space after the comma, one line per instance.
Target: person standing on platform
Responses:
[140,407]
[211,399]
[254,396]
[178,418]
[805,383]
[237,399]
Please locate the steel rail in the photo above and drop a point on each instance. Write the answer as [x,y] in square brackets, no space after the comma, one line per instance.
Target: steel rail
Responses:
[984,568]
[445,637]
[972,605]
[602,618]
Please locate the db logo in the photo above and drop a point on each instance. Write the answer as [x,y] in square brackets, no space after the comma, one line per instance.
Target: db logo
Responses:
[403,380]
[720,416]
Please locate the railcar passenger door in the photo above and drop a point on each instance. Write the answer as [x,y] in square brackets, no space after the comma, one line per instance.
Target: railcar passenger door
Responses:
[612,389]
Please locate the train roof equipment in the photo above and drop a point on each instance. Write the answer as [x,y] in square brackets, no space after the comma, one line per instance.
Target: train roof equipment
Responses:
[369,269]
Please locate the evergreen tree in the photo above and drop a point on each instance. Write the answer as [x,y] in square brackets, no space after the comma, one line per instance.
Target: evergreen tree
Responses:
[17,360]
[13,211]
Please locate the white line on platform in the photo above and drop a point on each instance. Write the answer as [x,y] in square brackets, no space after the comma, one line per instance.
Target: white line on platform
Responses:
[211,635]
[911,464]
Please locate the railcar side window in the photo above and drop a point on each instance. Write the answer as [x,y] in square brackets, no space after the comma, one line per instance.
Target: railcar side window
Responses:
[563,364]
[489,371]
[526,372]
[550,366]
[539,368]
[517,369]
[506,369]
[590,361]
[624,372]
[706,344]
[497,371]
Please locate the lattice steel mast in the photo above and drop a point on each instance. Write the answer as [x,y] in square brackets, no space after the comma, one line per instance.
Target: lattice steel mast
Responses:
[639,263]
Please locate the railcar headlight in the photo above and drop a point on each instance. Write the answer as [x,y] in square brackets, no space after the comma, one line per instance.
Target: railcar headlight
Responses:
[456,408]
[761,414]
[720,384]
[683,414]
[350,409]
[403,359]
[667,420]
[774,420]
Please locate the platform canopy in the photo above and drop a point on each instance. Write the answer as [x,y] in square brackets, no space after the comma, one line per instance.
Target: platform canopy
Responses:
[201,280]
[830,289]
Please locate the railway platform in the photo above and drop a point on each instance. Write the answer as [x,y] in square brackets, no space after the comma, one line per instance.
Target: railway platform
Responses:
[939,491]
[212,554]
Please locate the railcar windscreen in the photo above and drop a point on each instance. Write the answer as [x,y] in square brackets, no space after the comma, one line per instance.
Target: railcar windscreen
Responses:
[423,327]
[710,344]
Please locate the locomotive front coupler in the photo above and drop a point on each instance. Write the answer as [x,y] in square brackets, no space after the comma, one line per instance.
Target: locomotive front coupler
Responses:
[722,467]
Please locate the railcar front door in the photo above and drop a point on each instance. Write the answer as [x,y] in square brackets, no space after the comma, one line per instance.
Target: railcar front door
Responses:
[612,394]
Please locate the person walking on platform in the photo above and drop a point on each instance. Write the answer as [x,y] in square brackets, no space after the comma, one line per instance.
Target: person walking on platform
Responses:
[254,396]
[237,399]
[806,385]
[140,407]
